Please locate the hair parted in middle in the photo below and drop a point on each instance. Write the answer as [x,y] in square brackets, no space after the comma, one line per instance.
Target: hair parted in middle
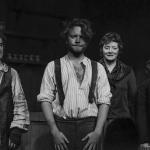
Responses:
[85,25]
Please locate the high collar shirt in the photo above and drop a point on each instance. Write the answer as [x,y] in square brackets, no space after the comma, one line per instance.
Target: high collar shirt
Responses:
[21,113]
[76,103]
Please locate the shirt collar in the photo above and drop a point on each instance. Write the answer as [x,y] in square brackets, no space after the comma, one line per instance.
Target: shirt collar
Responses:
[4,67]
[84,60]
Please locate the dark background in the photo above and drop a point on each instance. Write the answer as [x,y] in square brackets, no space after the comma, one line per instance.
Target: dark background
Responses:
[33,26]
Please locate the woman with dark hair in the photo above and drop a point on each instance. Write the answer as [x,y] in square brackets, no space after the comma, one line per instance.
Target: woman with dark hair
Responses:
[120,132]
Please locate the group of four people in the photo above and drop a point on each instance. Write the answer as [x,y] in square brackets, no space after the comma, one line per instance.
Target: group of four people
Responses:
[88,105]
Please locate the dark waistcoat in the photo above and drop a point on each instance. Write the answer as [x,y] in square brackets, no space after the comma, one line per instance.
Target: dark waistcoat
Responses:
[6,108]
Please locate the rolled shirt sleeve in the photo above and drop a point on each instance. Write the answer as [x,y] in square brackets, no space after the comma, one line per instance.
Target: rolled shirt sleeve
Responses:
[48,87]
[21,113]
[103,93]
[76,103]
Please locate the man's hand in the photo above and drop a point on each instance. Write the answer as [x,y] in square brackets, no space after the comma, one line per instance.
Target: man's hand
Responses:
[60,140]
[144,146]
[12,146]
[93,139]
[15,138]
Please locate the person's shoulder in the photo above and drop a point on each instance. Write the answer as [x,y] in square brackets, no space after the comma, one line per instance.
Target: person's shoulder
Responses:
[9,69]
[51,63]
[99,65]
[127,69]
[125,66]
[13,69]
[94,61]
[14,72]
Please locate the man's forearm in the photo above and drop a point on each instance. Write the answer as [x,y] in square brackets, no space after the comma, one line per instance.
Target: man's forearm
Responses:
[101,118]
[48,113]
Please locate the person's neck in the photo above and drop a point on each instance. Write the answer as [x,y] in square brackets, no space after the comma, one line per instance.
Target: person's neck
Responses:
[75,59]
[110,65]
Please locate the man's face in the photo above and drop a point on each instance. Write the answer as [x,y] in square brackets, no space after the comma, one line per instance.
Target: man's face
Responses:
[110,51]
[1,48]
[76,41]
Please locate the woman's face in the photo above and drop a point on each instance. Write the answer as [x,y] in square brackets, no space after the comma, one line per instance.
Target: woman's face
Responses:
[110,51]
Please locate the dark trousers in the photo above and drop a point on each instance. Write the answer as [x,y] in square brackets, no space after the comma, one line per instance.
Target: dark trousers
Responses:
[120,134]
[75,130]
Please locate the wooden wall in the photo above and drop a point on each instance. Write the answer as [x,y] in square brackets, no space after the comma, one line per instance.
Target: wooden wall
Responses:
[38,136]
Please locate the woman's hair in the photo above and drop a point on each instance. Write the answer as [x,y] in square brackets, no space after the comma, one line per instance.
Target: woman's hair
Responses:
[111,37]
[85,25]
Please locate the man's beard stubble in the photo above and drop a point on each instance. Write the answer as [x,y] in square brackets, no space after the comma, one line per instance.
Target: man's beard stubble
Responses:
[77,53]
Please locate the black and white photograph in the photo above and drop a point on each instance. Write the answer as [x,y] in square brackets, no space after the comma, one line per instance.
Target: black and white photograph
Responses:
[74,75]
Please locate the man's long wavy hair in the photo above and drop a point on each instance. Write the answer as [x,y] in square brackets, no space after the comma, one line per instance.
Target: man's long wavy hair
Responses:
[85,25]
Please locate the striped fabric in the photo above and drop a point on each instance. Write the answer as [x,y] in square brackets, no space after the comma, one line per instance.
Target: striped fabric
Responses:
[76,103]
[21,113]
